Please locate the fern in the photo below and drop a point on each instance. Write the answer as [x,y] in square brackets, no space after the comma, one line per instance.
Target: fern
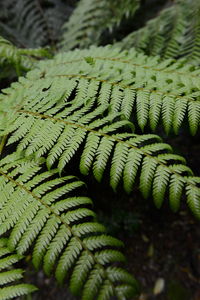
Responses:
[61,228]
[22,20]
[89,110]
[164,92]
[21,59]
[91,18]
[9,276]
[173,33]
[77,121]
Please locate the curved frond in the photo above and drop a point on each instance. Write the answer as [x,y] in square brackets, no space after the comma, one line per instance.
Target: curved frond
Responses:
[23,22]
[10,277]
[43,211]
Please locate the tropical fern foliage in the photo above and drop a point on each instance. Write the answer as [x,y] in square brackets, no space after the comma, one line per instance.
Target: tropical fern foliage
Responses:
[96,112]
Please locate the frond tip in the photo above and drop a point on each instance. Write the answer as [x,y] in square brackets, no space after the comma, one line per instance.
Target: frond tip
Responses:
[62,230]
[10,286]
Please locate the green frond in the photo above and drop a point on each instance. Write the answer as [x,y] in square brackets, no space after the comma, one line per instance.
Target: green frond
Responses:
[62,119]
[173,33]
[20,59]
[91,18]
[142,89]
[41,212]
[10,277]
[90,110]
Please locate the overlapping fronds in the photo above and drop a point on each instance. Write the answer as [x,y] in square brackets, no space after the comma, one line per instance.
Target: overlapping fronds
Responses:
[33,23]
[93,17]
[64,117]
[21,59]
[51,215]
[10,276]
[175,32]
[141,88]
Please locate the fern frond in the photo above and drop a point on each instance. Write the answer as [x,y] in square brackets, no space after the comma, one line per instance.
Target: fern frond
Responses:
[43,211]
[10,286]
[21,59]
[91,18]
[166,92]
[173,33]
[58,130]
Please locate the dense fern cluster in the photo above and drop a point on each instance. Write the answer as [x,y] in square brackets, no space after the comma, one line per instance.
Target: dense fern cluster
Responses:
[99,107]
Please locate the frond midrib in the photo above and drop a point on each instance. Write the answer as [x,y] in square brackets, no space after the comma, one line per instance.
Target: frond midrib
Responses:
[123,86]
[130,62]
